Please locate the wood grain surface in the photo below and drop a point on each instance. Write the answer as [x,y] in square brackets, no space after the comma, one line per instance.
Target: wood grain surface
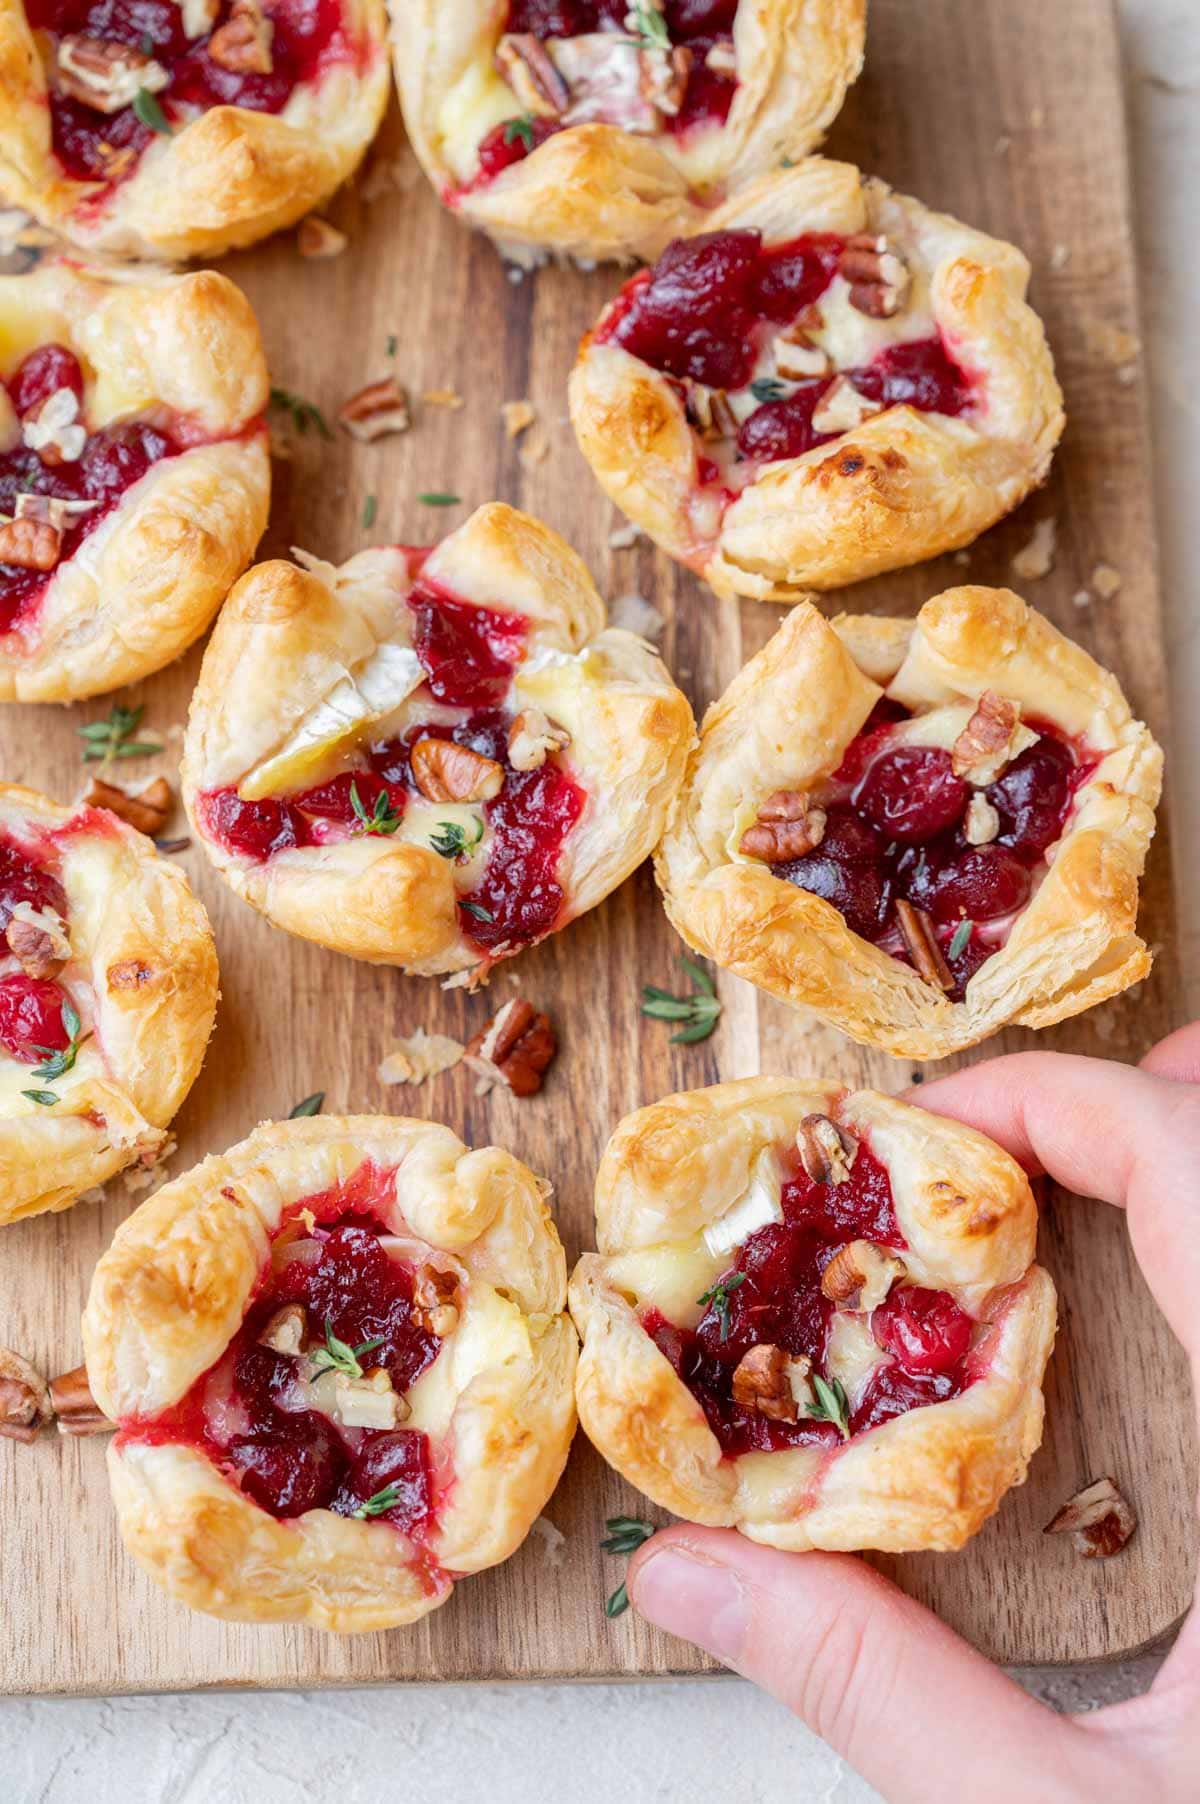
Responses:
[1009,113]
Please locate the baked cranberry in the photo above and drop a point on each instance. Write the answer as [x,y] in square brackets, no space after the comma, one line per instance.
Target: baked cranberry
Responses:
[979,883]
[699,18]
[251,829]
[860,1208]
[468,652]
[845,870]
[42,374]
[919,375]
[893,1392]
[363,1293]
[783,428]
[520,895]
[511,142]
[792,276]
[693,315]
[924,1330]
[23,881]
[866,744]
[113,461]
[31,1018]
[707,95]
[397,1460]
[295,1466]
[334,801]
[912,794]
[1032,796]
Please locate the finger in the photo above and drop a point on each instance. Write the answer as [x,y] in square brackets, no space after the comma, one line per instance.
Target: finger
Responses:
[1178,1056]
[893,1690]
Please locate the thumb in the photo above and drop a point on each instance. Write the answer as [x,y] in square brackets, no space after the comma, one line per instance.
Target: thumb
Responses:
[911,1707]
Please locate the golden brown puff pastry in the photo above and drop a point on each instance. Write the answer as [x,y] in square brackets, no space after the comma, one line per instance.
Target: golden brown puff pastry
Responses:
[185,128]
[449,756]
[813,1316]
[134,473]
[341,1367]
[108,988]
[586,128]
[827,382]
[920,830]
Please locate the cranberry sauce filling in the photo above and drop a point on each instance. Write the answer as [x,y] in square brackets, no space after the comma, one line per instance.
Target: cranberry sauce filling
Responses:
[31,1018]
[697,26]
[711,304]
[252,1414]
[307,37]
[469,653]
[778,1301]
[896,829]
[110,462]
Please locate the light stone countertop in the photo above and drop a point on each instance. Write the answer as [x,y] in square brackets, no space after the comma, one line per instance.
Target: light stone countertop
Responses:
[664,1742]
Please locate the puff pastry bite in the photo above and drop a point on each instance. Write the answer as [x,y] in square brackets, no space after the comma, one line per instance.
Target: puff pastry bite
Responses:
[814,1316]
[601,128]
[451,756]
[829,381]
[920,830]
[341,1368]
[182,128]
[134,473]
[108,988]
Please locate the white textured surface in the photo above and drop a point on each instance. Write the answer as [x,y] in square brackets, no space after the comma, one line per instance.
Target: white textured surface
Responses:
[664,1743]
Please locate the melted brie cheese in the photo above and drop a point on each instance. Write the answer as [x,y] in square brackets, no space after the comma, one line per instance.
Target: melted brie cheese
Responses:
[671,1279]
[388,677]
[491,1331]
[758,1206]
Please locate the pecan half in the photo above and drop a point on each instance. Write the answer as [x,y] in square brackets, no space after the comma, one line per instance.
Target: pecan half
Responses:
[527,66]
[515,1048]
[827,1151]
[982,823]
[709,411]
[316,238]
[982,748]
[760,1383]
[376,410]
[787,827]
[1099,1517]
[74,1406]
[445,772]
[286,1331]
[37,940]
[24,1398]
[531,739]
[243,44]
[841,408]
[437,1300]
[146,812]
[30,544]
[923,948]
[878,277]
[104,75]
[860,1274]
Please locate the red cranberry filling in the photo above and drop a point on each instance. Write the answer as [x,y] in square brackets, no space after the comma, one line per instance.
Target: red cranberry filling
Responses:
[309,37]
[31,1018]
[111,462]
[469,653]
[22,880]
[290,1459]
[897,831]
[779,1302]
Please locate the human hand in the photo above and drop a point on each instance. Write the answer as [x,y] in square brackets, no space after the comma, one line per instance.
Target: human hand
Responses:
[904,1700]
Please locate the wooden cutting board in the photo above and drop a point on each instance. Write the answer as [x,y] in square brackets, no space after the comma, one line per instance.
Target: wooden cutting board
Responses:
[1009,113]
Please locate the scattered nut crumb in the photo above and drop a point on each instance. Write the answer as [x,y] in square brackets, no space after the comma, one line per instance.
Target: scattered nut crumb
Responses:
[535,449]
[316,238]
[623,538]
[1082,598]
[962,559]
[1099,1520]
[1036,559]
[1002,146]
[1106,581]
[443,397]
[517,417]
[1127,374]
[422,1055]
[553,1540]
[1113,344]
[636,615]
[1060,256]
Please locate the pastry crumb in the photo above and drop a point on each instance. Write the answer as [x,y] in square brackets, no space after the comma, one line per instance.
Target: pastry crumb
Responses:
[422,1055]
[1106,581]
[317,239]
[623,538]
[443,397]
[553,1540]
[1060,256]
[518,416]
[149,1175]
[535,448]
[1002,145]
[962,559]
[1112,344]
[636,615]
[1082,598]
[1036,559]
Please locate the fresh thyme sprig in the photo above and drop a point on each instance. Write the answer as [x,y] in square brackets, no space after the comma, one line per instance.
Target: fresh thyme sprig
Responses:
[312,1105]
[57,1064]
[718,1297]
[147,109]
[767,388]
[648,26]
[104,740]
[832,1404]
[336,1356]
[439,498]
[47,1098]
[382,820]
[303,413]
[478,910]
[451,841]
[384,1500]
[625,1536]
[520,130]
[962,937]
[370,509]
[698,1012]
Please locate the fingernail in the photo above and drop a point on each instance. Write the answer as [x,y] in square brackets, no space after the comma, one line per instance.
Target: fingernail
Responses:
[694,1597]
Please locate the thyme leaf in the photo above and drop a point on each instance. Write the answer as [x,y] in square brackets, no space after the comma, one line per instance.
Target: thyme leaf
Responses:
[625,1536]
[337,1356]
[520,131]
[312,1105]
[303,413]
[648,26]
[104,740]
[832,1404]
[384,1500]
[382,820]
[47,1098]
[56,1063]
[962,937]
[767,388]
[150,113]
[718,1298]
[697,1013]
[436,498]
[370,509]
[451,841]
[478,910]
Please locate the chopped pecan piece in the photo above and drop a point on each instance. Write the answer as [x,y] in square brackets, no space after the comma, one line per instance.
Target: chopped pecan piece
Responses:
[797,358]
[199,16]
[30,544]
[437,1300]
[878,277]
[860,1274]
[709,411]
[38,940]
[104,75]
[787,827]
[841,408]
[146,812]
[663,77]
[286,1331]
[56,513]
[74,1406]
[722,57]
[532,737]
[243,44]
[370,1401]
[1099,1517]
[982,823]
[923,948]
[530,71]
[982,748]
[445,772]
[24,1398]
[761,1383]
[515,1048]
[316,238]
[827,1152]
[376,410]
[54,430]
